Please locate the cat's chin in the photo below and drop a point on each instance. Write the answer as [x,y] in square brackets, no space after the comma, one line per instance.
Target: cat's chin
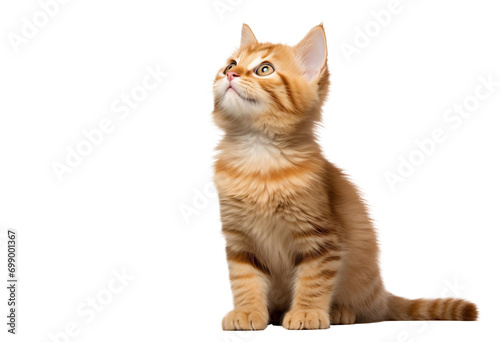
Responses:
[236,93]
[240,108]
[235,104]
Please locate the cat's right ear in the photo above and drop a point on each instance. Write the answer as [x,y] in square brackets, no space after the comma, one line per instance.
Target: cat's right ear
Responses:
[247,36]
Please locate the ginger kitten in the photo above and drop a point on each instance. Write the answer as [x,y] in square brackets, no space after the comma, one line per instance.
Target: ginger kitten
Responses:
[301,249]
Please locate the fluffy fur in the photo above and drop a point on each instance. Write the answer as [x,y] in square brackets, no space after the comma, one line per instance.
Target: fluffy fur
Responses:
[301,248]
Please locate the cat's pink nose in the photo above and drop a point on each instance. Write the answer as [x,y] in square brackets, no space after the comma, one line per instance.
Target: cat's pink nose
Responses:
[232,75]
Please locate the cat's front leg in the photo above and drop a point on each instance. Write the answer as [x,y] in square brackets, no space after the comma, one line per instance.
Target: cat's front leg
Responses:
[316,272]
[249,284]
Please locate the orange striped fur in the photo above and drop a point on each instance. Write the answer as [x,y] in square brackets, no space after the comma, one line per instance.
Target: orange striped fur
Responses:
[301,248]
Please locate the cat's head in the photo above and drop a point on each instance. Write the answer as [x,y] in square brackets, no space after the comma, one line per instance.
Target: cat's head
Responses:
[272,87]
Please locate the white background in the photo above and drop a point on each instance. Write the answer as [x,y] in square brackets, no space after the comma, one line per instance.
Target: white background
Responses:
[120,208]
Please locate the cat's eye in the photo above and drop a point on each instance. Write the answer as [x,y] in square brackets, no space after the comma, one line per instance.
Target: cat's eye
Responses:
[264,69]
[229,67]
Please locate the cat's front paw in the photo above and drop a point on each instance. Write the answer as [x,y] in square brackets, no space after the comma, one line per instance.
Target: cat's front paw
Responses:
[245,320]
[306,319]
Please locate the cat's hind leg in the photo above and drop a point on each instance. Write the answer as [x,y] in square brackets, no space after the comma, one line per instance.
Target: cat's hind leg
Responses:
[342,315]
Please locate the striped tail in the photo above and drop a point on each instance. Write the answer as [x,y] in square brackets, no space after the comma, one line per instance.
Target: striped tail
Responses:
[451,309]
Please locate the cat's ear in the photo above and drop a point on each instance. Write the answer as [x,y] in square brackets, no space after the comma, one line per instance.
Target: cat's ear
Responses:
[312,52]
[247,36]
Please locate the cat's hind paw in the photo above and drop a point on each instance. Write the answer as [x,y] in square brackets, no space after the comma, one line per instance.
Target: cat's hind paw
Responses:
[341,315]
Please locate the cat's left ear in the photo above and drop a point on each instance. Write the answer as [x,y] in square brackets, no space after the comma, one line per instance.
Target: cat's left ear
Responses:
[312,53]
[247,36]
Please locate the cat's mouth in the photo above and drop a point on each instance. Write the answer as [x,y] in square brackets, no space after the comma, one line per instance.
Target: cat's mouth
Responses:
[232,89]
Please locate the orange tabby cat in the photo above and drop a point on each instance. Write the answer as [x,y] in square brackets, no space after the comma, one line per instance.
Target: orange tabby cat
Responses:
[301,249]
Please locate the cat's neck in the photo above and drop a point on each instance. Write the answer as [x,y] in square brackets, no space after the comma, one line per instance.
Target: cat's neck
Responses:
[258,151]
[295,142]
